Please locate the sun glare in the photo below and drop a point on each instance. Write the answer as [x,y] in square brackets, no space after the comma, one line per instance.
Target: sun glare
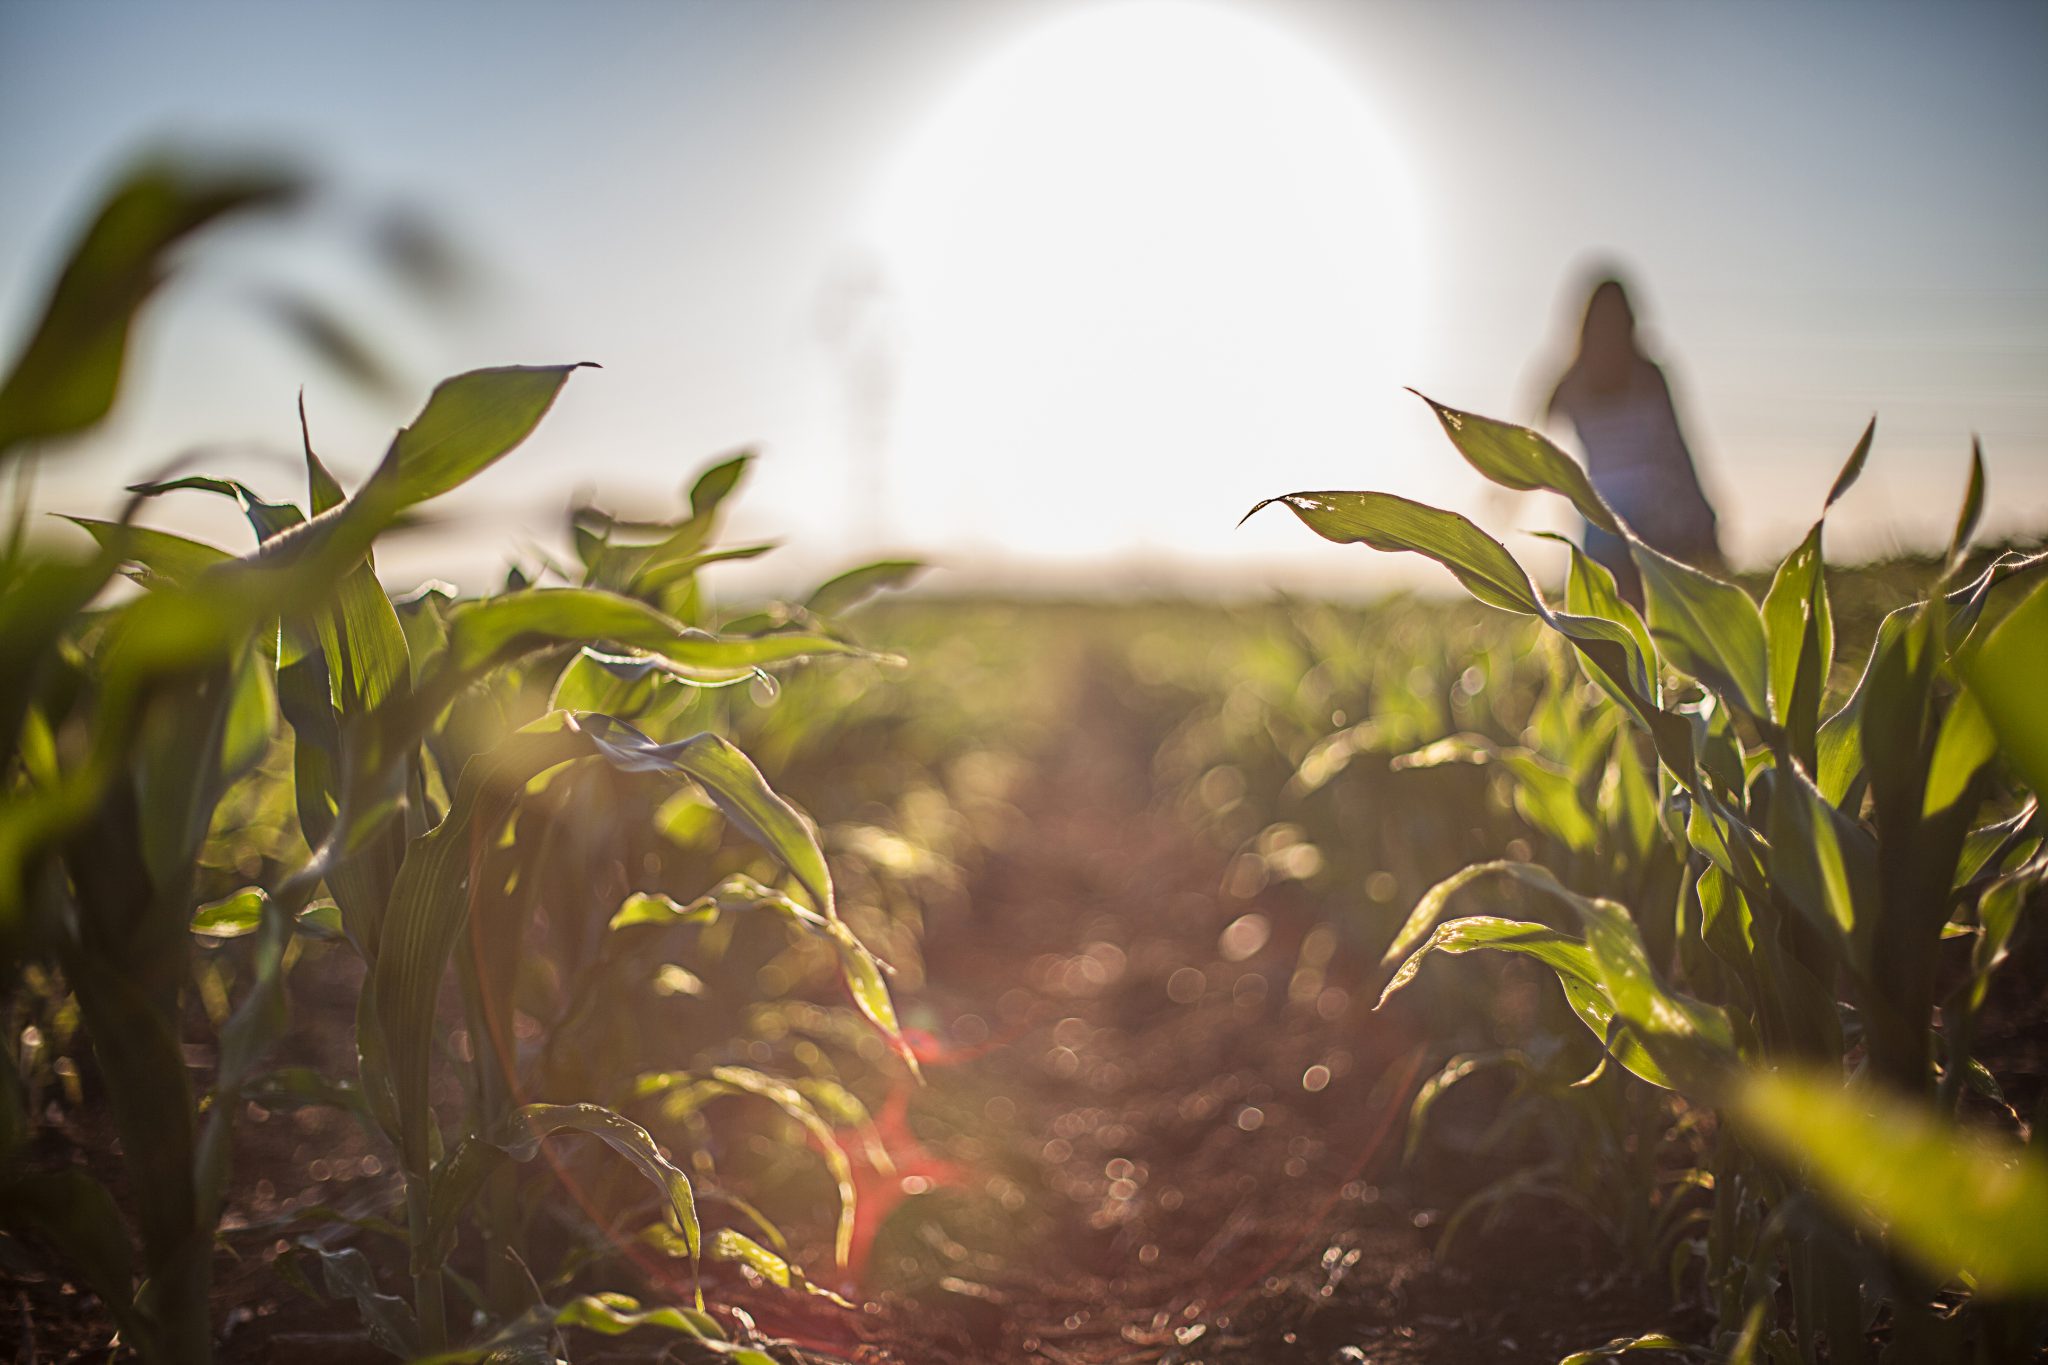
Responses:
[1151,263]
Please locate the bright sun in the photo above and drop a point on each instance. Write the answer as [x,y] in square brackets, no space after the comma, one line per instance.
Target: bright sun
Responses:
[1152,263]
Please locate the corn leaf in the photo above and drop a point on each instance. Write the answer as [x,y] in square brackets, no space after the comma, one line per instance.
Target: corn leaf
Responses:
[850,589]
[1799,634]
[1576,968]
[160,554]
[1958,1205]
[65,378]
[734,784]
[469,423]
[2004,673]
[482,634]
[740,1080]
[1386,522]
[1706,628]
[1822,861]
[1522,459]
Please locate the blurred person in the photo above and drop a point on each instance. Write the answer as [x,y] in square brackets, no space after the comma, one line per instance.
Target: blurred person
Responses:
[1619,404]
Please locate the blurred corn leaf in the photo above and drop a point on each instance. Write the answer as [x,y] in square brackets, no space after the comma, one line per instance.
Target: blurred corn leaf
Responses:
[855,586]
[1959,1206]
[65,378]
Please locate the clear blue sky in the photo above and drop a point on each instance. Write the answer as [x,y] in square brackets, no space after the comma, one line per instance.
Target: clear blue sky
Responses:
[1830,211]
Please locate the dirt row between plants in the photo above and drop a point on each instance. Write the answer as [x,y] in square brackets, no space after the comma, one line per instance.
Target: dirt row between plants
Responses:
[1194,1119]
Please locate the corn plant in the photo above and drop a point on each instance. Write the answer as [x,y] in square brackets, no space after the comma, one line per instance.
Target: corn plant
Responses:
[419,781]
[1827,854]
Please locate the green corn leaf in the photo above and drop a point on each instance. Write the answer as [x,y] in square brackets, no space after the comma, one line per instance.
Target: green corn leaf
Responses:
[622,685]
[1522,459]
[647,570]
[838,595]
[740,1080]
[1963,745]
[1957,1204]
[1966,604]
[2004,674]
[251,717]
[367,658]
[1451,749]
[1429,909]
[520,1136]
[1385,522]
[1576,968]
[1998,915]
[1852,468]
[528,1340]
[1821,860]
[614,1315]
[323,491]
[1839,746]
[1663,1036]
[459,1177]
[1689,1040]
[792,1102]
[484,633]
[65,378]
[1389,523]
[727,1245]
[734,784]
[231,916]
[1549,800]
[1590,592]
[469,423]
[1997,842]
[863,974]
[1628,797]
[1706,628]
[717,483]
[267,519]
[1799,635]
[430,897]
[1554,948]
[1726,925]
[159,553]
[644,908]
[1621,1346]
[1972,509]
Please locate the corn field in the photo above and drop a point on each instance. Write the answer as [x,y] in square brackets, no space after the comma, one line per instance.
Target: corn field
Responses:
[594,969]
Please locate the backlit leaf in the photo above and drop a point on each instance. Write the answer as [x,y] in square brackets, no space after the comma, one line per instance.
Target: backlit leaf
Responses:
[1958,1204]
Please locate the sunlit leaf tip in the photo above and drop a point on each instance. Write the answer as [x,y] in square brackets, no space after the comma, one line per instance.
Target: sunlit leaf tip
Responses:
[1853,469]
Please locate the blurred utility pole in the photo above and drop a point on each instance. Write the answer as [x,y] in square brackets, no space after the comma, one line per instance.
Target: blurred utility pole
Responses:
[858,319]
